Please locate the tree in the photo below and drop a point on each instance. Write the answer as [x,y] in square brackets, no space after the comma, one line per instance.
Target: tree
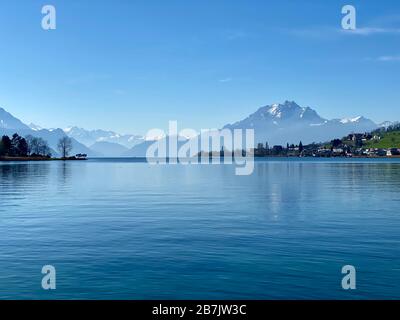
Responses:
[336,143]
[301,148]
[6,145]
[30,141]
[42,147]
[19,146]
[2,151]
[15,147]
[259,151]
[23,147]
[37,146]
[277,150]
[65,146]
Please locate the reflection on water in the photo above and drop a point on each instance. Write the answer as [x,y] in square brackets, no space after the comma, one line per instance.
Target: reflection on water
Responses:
[127,230]
[64,171]
[19,172]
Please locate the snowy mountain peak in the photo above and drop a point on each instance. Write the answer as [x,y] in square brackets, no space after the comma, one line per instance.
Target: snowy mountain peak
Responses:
[278,110]
[348,120]
[35,127]
[287,111]
[279,123]
[90,137]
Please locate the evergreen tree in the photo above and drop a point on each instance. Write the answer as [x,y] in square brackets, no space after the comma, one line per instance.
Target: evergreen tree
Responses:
[6,145]
[22,147]
[301,148]
[19,147]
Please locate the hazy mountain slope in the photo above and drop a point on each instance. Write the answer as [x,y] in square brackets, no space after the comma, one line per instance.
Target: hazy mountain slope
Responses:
[141,149]
[8,121]
[109,149]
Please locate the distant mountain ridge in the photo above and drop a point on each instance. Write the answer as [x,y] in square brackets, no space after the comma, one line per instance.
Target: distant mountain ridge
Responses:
[10,125]
[290,123]
[89,137]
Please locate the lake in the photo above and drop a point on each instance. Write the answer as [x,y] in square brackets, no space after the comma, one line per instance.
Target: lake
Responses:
[124,229]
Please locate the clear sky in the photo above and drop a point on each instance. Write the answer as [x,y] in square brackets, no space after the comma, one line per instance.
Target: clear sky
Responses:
[133,65]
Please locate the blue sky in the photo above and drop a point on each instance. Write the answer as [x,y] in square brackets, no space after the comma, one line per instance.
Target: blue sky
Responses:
[133,65]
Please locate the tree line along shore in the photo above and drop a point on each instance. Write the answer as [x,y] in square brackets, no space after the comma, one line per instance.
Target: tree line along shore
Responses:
[30,148]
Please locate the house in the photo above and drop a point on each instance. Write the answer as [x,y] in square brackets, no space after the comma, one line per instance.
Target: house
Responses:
[393,152]
[366,137]
[337,150]
[355,136]
[380,152]
[324,152]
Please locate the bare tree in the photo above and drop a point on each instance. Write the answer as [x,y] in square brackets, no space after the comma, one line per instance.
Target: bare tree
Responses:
[37,146]
[64,146]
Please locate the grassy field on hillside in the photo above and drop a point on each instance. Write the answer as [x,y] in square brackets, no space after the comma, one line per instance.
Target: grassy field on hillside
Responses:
[388,140]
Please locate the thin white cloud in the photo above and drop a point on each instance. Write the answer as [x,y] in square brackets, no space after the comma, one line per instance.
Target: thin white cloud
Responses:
[389,58]
[313,32]
[225,80]
[329,32]
[367,31]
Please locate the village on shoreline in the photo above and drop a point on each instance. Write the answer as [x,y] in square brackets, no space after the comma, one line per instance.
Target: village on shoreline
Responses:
[380,143]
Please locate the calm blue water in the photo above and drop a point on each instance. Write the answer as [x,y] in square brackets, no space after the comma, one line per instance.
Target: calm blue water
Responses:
[123,229]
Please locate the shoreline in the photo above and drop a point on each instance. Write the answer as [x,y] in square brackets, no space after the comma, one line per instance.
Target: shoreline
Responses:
[27,159]
[333,157]
[9,159]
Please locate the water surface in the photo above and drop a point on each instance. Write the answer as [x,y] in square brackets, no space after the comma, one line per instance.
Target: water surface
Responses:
[124,229]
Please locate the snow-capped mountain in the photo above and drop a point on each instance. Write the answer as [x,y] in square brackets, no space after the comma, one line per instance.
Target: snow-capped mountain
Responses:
[35,127]
[90,137]
[10,125]
[290,123]
[387,124]
[279,124]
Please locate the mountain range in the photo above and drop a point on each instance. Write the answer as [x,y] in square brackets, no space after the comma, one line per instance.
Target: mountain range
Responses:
[10,125]
[90,137]
[276,124]
[279,124]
